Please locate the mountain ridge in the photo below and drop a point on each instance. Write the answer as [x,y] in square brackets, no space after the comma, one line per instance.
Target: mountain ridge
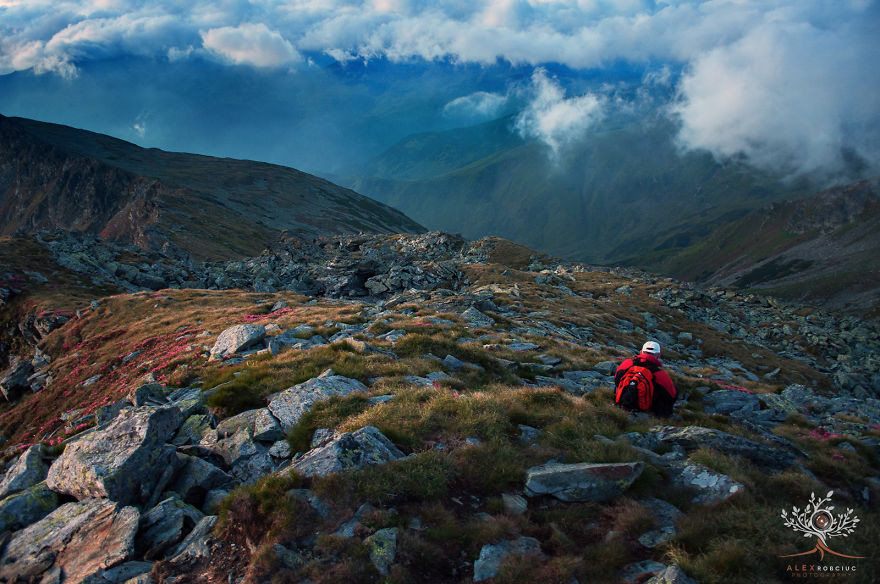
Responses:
[206,206]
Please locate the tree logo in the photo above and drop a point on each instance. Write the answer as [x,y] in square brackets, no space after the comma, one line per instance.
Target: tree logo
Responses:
[817,520]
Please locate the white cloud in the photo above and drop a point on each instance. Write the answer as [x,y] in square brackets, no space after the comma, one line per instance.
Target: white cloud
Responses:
[778,80]
[251,44]
[480,105]
[786,96]
[555,119]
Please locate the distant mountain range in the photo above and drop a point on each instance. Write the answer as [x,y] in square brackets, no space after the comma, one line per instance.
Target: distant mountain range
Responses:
[824,249]
[54,176]
[625,190]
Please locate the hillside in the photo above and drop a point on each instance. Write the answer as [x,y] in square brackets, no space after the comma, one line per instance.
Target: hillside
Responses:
[624,190]
[422,408]
[823,250]
[56,177]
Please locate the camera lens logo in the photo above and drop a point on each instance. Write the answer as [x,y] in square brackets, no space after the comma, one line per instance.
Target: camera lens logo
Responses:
[818,520]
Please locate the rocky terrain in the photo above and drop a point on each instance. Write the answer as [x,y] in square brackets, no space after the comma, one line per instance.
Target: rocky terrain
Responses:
[415,408]
[57,177]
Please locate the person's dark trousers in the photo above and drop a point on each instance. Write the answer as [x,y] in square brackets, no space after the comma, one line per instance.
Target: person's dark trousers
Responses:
[662,403]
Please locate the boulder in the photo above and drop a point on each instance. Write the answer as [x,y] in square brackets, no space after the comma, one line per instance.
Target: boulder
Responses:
[248,460]
[14,381]
[348,451]
[693,437]
[476,319]
[290,405]
[195,546]
[165,525]
[729,401]
[123,461]
[491,556]
[192,430]
[582,481]
[26,507]
[383,549]
[28,470]
[237,338]
[77,540]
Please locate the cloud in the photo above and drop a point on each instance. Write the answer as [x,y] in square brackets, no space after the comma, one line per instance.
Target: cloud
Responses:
[480,105]
[251,44]
[791,97]
[554,119]
[787,83]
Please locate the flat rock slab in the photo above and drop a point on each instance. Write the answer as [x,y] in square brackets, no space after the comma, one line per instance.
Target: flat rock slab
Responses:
[582,481]
[728,401]
[711,486]
[343,452]
[290,405]
[123,461]
[693,437]
[237,338]
[77,539]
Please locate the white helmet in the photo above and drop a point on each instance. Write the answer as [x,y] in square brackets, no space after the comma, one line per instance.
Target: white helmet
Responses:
[651,348]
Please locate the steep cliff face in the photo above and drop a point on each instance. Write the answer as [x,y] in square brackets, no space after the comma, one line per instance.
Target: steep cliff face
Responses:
[53,177]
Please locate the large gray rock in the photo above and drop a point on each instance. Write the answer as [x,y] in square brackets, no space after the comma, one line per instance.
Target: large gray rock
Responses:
[491,556]
[263,426]
[28,506]
[290,405]
[77,540]
[693,437]
[197,477]
[165,525]
[476,319]
[196,545]
[729,401]
[27,471]
[582,481]
[248,460]
[237,338]
[343,452]
[123,461]
[14,381]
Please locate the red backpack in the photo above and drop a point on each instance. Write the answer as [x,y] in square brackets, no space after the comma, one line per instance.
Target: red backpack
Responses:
[636,389]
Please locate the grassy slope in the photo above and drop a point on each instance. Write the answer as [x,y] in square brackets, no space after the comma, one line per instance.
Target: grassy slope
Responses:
[445,489]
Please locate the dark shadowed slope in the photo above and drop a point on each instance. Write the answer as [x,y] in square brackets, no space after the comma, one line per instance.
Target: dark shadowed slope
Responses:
[53,176]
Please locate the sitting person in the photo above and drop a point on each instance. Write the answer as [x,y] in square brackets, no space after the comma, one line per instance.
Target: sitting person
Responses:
[642,384]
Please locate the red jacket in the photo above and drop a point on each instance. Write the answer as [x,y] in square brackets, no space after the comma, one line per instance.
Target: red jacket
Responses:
[661,378]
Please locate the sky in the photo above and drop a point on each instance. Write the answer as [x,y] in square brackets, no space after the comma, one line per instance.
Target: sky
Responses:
[786,85]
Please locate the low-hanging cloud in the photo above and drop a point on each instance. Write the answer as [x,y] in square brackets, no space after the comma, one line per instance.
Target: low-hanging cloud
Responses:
[788,97]
[553,118]
[788,83]
[478,106]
